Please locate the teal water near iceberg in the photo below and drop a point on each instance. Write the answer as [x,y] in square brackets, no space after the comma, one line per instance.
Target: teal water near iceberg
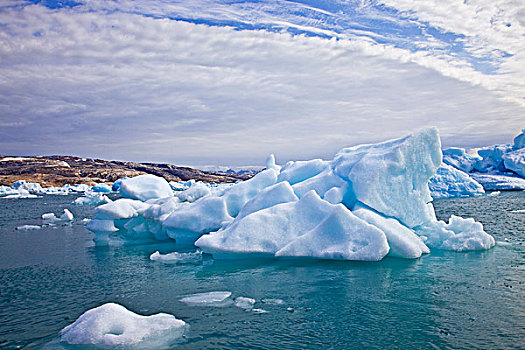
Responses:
[48,277]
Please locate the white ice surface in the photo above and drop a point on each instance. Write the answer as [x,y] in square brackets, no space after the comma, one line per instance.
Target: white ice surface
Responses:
[28,227]
[403,242]
[515,161]
[215,299]
[498,182]
[112,325]
[450,182]
[144,187]
[193,258]
[330,232]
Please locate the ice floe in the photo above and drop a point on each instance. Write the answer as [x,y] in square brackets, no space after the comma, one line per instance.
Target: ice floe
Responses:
[214,299]
[192,258]
[112,325]
[92,198]
[49,218]
[245,303]
[28,227]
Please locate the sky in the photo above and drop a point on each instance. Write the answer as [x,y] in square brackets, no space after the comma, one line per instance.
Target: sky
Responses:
[227,82]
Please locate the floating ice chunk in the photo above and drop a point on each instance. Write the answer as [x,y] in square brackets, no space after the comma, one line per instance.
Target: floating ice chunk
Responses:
[392,177]
[469,235]
[298,171]
[31,187]
[193,258]
[113,325]
[216,299]
[92,198]
[123,208]
[271,301]
[451,182]
[144,187]
[80,188]
[244,303]
[403,242]
[281,192]
[459,235]
[495,182]
[6,190]
[28,227]
[519,211]
[494,194]
[58,191]
[67,216]
[259,311]
[515,161]
[460,159]
[341,236]
[101,187]
[20,194]
[330,231]
[51,218]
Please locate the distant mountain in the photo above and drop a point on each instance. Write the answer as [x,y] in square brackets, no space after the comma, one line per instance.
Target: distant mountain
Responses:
[61,170]
[239,170]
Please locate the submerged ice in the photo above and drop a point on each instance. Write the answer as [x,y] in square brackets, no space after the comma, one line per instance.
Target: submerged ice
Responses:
[368,202]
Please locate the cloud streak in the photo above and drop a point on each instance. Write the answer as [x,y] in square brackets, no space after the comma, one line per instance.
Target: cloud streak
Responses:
[127,86]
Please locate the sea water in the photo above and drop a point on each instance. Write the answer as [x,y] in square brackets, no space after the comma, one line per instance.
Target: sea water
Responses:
[49,277]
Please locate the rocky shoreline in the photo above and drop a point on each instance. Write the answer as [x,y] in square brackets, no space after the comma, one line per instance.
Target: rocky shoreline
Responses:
[62,170]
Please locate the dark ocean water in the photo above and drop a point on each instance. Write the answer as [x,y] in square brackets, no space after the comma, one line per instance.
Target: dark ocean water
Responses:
[444,300]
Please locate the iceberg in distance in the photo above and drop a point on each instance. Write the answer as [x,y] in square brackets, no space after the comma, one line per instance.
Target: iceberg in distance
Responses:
[451,182]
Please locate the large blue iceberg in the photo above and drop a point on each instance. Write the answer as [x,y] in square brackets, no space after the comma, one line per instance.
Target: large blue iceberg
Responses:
[368,202]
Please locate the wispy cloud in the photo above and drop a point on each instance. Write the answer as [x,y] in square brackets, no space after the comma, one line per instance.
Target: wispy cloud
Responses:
[125,85]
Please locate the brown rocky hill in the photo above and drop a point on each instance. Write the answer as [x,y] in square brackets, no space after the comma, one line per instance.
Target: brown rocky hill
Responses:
[61,170]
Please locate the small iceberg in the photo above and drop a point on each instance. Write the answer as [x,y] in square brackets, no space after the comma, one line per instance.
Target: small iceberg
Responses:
[215,299]
[193,258]
[50,218]
[112,325]
[494,194]
[28,227]
[244,303]
[92,198]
